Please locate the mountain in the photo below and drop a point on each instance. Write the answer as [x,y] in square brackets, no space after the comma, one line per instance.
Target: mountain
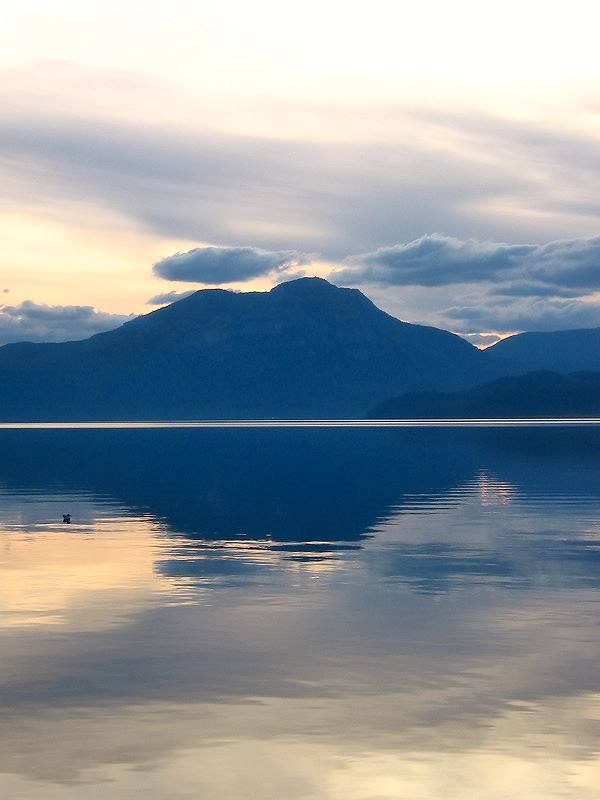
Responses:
[309,484]
[305,349]
[560,351]
[535,394]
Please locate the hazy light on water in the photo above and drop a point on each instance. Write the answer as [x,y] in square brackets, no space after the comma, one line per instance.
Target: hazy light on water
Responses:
[449,651]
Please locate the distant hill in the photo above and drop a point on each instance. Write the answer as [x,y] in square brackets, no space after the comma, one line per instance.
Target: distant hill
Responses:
[305,349]
[559,351]
[535,394]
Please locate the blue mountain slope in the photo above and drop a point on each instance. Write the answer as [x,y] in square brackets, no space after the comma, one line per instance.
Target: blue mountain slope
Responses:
[305,349]
[534,394]
[561,351]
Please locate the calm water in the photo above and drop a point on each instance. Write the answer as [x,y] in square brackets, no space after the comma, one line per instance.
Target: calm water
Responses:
[312,614]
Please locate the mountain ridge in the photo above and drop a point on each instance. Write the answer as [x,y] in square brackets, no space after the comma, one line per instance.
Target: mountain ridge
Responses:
[306,349]
[535,394]
[569,350]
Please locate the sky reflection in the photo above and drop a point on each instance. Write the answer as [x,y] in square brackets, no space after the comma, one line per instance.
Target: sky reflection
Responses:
[448,649]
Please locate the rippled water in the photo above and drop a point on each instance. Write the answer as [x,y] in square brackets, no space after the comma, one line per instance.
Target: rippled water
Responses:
[330,614]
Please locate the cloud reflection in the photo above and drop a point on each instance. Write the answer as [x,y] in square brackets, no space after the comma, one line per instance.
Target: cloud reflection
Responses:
[450,652]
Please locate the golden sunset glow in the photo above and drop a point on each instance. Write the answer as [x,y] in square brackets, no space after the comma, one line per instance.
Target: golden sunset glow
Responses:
[329,128]
[53,577]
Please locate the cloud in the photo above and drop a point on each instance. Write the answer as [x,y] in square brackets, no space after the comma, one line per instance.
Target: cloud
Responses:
[216,265]
[532,289]
[571,265]
[166,298]
[38,322]
[345,180]
[484,312]
[433,260]
[346,186]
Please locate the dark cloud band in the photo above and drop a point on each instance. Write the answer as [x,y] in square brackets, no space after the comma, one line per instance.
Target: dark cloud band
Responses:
[37,322]
[519,314]
[166,298]
[435,260]
[218,265]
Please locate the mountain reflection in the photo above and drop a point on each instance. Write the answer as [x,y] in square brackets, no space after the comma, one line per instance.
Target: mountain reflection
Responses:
[315,488]
[291,485]
[299,614]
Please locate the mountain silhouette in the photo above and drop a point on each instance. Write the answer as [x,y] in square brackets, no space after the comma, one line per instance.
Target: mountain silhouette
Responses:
[313,492]
[304,349]
[299,484]
[535,394]
[558,351]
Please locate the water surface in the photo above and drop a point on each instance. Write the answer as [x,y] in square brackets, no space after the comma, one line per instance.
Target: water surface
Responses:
[324,614]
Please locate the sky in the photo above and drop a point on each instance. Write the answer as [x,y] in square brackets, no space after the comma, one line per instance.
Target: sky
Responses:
[442,157]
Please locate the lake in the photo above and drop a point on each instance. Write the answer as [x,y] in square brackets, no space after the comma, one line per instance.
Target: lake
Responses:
[341,612]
